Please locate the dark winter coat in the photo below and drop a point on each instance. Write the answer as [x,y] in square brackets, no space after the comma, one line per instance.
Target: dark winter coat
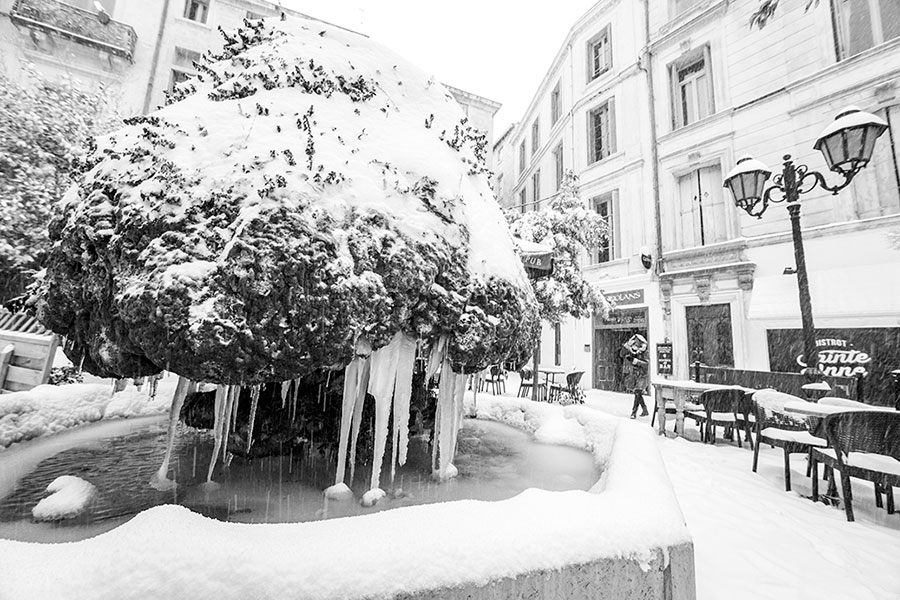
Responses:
[635,367]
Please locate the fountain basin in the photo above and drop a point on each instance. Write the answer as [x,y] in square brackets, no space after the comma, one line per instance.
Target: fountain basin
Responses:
[624,538]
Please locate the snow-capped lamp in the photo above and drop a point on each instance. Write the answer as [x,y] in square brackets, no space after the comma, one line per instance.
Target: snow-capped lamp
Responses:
[847,143]
[747,182]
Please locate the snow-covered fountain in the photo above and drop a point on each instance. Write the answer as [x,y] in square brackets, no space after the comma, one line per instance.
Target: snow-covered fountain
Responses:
[310,204]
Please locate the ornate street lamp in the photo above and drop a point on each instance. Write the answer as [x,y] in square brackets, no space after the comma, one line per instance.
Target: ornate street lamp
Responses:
[847,146]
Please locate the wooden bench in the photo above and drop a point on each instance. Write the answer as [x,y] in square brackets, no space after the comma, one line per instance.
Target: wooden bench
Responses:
[25,360]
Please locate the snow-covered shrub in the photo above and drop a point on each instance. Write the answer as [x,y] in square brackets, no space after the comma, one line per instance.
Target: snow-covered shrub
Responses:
[307,189]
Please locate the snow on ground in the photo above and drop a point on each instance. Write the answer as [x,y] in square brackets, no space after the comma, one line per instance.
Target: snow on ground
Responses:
[48,409]
[751,538]
[754,540]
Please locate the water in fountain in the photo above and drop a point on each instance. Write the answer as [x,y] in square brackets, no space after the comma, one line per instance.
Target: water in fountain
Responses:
[494,462]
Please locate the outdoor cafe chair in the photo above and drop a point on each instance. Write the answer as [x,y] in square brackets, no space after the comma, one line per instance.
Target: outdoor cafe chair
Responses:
[572,389]
[864,444]
[793,437]
[526,383]
[496,379]
[720,407]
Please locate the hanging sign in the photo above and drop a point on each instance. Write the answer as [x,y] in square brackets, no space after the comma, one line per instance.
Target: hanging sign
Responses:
[664,358]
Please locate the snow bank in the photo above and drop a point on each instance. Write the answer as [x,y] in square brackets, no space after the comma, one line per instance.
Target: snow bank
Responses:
[70,496]
[48,409]
[627,514]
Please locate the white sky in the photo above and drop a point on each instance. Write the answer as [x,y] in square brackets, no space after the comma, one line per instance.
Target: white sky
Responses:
[498,49]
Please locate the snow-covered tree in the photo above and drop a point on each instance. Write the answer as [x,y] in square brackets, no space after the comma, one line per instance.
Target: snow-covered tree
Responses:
[569,228]
[766,10]
[43,129]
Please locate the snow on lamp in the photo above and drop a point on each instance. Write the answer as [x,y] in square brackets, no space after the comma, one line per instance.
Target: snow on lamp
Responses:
[848,142]
[747,182]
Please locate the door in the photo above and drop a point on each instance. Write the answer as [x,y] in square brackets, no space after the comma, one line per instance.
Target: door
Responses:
[604,360]
[709,335]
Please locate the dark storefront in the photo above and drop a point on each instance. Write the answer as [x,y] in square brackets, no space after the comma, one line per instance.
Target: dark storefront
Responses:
[873,352]
[609,335]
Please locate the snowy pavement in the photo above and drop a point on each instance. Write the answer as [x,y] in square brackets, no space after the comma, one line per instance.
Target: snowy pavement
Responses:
[754,540]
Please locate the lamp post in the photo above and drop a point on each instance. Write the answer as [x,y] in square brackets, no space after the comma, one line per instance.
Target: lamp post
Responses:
[847,146]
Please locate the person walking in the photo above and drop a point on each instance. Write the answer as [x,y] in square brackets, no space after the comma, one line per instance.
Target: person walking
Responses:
[635,367]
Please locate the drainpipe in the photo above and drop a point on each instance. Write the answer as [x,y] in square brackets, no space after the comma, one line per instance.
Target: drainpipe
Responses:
[155,61]
[654,149]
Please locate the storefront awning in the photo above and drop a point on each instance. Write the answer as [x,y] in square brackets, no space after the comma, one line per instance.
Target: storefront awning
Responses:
[538,259]
[859,291]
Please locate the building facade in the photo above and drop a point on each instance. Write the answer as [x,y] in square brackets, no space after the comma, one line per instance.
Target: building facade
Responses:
[681,89]
[136,49]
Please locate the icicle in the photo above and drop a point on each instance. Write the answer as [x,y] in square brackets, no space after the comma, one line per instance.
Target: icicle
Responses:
[233,411]
[362,386]
[161,480]
[295,396]
[351,381]
[254,403]
[285,388]
[436,358]
[234,393]
[402,395]
[384,362]
[222,392]
[458,404]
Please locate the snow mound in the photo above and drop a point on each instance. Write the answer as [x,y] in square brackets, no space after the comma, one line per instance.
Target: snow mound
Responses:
[372,497]
[69,498]
[338,491]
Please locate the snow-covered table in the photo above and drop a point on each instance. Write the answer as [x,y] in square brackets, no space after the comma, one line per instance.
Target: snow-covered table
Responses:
[680,391]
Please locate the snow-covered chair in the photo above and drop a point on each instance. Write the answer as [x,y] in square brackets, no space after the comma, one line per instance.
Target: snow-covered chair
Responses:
[572,389]
[526,384]
[864,444]
[790,435]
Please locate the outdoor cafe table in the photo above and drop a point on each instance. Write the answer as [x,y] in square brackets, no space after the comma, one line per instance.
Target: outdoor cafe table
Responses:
[815,412]
[680,391]
[550,374]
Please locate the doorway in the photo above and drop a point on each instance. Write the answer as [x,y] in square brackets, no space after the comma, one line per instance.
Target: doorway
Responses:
[709,335]
[609,336]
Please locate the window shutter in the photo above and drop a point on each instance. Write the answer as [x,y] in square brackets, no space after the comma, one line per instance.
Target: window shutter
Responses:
[612,126]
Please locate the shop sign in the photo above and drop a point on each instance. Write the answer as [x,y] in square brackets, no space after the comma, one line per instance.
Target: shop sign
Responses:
[626,297]
[664,359]
[634,317]
[871,352]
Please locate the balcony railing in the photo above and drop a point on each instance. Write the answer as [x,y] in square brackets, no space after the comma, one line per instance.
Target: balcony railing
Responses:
[76,24]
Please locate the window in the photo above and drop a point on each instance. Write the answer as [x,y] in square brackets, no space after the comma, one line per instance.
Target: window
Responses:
[692,97]
[523,200]
[536,186]
[535,136]
[702,215]
[557,344]
[522,157]
[499,190]
[558,165]
[599,54]
[863,24]
[605,252]
[196,10]
[185,58]
[601,132]
[555,104]
[255,16]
